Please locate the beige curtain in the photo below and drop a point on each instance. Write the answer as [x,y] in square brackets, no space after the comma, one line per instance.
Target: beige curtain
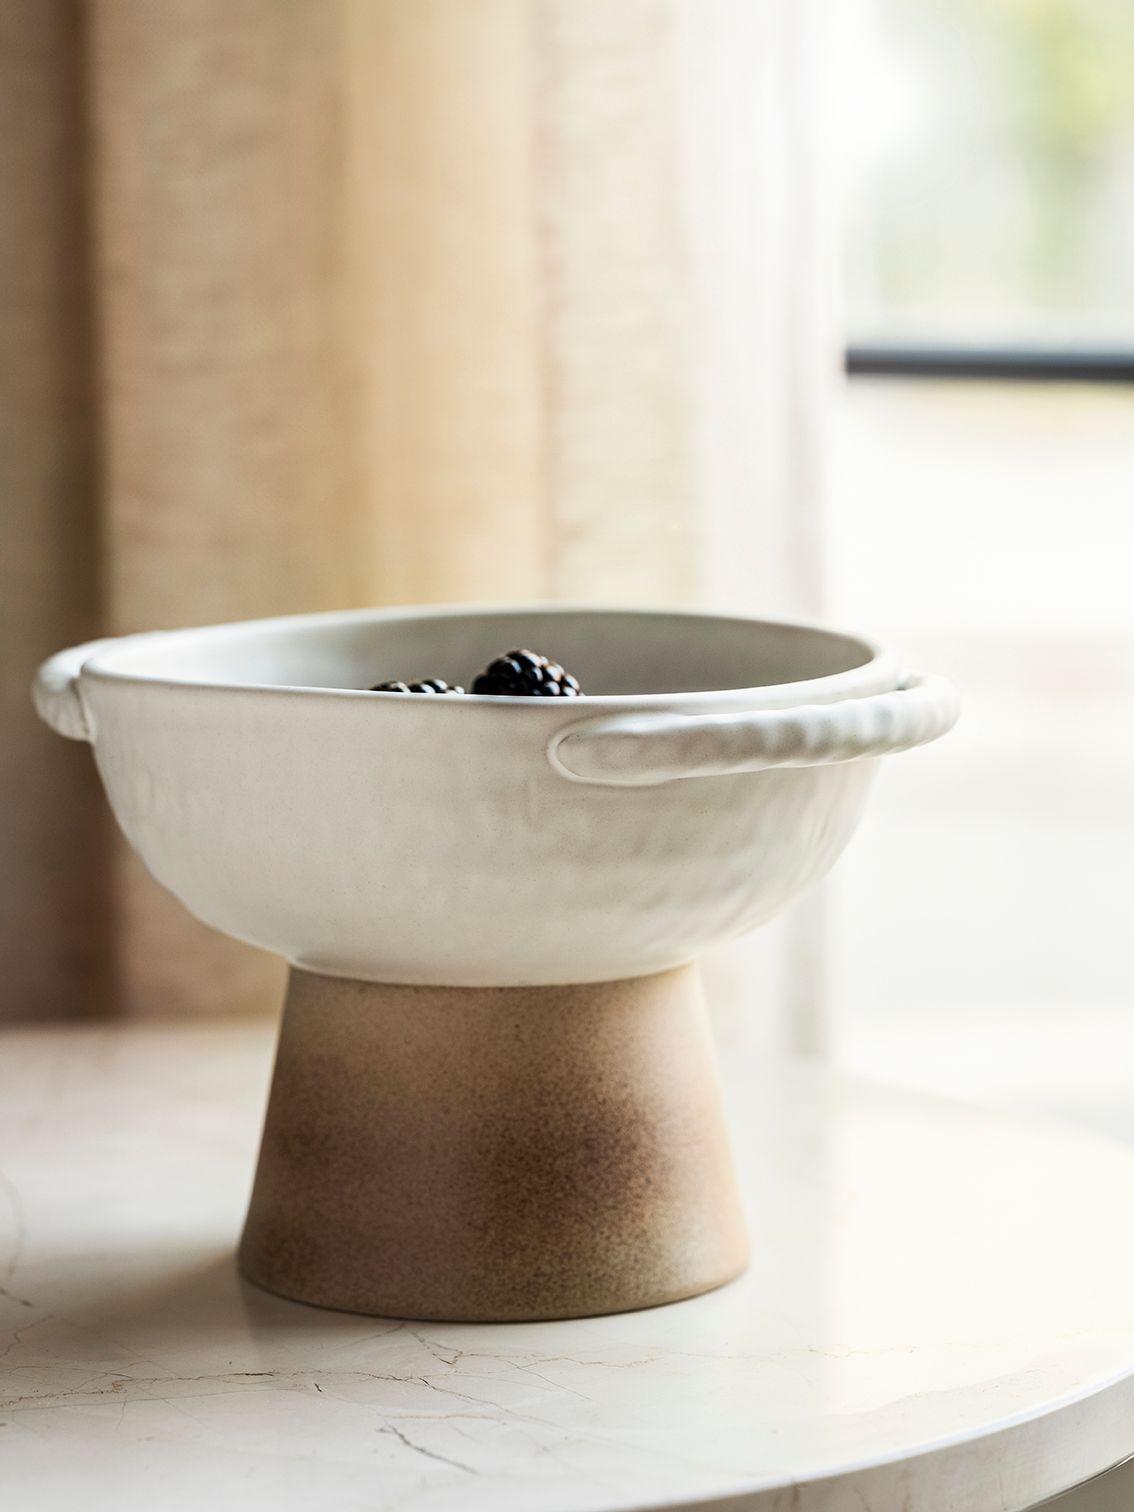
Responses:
[318,303]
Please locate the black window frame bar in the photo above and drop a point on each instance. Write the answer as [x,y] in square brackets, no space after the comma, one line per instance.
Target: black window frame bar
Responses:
[999,363]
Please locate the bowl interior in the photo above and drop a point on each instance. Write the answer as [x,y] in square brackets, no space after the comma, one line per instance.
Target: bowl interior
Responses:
[612,652]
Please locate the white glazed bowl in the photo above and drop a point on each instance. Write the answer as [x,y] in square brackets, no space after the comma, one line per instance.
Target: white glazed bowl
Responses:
[716,770]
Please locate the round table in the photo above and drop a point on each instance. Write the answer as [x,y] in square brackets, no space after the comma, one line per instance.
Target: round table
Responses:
[939,1315]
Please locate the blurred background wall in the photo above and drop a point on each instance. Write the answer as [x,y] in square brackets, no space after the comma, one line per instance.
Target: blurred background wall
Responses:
[312,305]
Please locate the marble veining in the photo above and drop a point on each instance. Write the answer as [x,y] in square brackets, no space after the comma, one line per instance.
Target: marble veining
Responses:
[939,1304]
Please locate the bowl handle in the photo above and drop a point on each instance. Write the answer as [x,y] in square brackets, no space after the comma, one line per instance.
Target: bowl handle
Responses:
[638,750]
[55,691]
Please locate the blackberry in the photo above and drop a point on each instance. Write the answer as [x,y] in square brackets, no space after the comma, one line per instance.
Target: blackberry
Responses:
[430,685]
[526,674]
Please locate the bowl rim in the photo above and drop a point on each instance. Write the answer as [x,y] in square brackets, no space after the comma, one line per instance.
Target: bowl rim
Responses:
[877,661]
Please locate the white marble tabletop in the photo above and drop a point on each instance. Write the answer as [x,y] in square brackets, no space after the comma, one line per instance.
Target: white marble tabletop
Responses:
[939,1316]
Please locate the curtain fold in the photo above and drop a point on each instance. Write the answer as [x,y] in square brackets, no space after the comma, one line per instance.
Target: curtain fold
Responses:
[345,302]
[56,916]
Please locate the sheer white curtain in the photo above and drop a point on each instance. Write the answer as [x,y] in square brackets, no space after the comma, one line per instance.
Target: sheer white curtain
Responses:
[758,107]
[363,301]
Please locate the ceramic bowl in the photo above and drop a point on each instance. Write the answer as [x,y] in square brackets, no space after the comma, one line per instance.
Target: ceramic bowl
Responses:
[715,770]
[512,1110]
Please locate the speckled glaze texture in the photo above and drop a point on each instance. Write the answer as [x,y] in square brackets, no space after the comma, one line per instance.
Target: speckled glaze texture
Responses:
[494,1154]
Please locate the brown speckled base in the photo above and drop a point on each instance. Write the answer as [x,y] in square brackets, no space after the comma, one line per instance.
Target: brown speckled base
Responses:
[494,1154]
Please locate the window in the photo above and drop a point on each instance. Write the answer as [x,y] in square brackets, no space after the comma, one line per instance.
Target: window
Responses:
[990,175]
[982,937]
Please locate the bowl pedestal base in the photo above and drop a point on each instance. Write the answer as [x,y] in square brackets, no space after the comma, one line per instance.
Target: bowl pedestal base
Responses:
[494,1154]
